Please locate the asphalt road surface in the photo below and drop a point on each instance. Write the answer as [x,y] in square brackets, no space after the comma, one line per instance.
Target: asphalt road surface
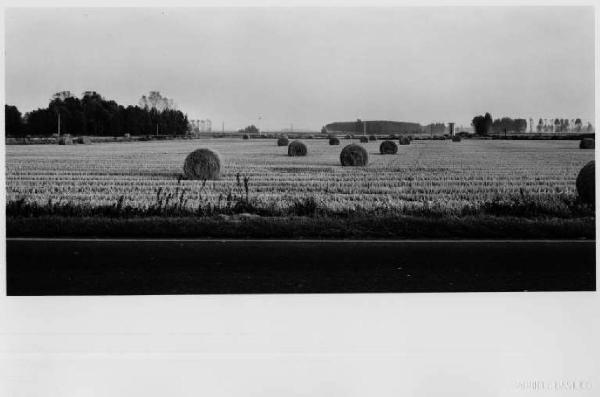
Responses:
[132,266]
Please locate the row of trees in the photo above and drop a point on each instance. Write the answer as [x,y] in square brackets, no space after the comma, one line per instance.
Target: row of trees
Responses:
[93,115]
[251,129]
[562,125]
[484,125]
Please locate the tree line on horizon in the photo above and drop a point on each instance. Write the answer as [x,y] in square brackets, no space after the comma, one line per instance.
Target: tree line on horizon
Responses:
[94,115]
[484,125]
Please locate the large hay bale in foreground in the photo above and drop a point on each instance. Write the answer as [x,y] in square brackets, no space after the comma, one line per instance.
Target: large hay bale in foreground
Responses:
[404,140]
[456,138]
[364,139]
[297,148]
[388,147]
[203,164]
[334,141]
[587,143]
[585,183]
[283,141]
[354,155]
[65,140]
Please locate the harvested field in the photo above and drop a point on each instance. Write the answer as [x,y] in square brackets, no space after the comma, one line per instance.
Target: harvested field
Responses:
[425,174]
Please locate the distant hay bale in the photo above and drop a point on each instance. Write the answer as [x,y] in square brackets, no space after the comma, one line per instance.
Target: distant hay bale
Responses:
[388,147]
[404,140]
[334,141]
[372,138]
[585,183]
[245,136]
[65,140]
[587,143]
[283,141]
[364,139]
[297,148]
[456,138]
[203,164]
[348,137]
[354,155]
[127,135]
[84,140]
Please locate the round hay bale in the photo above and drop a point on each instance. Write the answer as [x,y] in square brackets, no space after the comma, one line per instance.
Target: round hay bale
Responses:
[364,139]
[65,140]
[297,148]
[84,140]
[456,138]
[404,140]
[388,147]
[585,183]
[203,164]
[354,155]
[282,141]
[245,136]
[334,141]
[587,143]
[372,138]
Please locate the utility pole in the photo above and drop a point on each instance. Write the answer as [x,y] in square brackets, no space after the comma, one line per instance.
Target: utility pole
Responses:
[365,127]
[259,130]
[156,129]
[292,127]
[223,127]
[58,123]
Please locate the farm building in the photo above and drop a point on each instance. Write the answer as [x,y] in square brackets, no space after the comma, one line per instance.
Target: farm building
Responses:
[374,127]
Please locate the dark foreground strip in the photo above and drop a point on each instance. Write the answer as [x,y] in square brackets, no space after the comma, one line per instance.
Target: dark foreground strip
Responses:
[103,267]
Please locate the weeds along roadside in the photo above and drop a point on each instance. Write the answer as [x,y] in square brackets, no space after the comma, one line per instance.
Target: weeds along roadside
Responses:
[174,202]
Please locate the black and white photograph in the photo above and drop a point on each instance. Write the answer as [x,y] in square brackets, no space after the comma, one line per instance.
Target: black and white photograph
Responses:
[338,199]
[276,150]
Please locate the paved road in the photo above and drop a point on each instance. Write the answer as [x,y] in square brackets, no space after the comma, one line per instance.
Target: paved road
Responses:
[100,267]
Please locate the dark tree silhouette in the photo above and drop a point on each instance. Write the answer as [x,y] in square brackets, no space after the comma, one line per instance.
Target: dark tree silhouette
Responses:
[482,124]
[13,122]
[94,115]
[251,129]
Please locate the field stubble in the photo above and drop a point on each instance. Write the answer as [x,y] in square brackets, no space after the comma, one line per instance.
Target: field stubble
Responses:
[426,174]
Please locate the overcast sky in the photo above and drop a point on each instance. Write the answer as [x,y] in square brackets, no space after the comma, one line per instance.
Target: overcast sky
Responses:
[311,66]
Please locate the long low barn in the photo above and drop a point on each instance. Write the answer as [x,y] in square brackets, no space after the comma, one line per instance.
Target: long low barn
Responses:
[374,127]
